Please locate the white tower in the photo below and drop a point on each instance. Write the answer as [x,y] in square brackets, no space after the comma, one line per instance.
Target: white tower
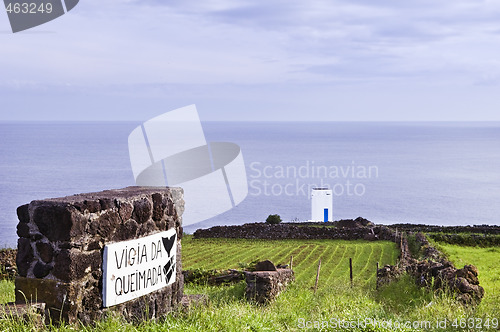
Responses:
[321,203]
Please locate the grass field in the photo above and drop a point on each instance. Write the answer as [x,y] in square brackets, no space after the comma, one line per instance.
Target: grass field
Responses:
[487,260]
[214,254]
[299,308]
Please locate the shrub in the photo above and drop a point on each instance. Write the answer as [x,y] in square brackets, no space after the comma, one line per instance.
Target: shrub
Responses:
[273,219]
[415,246]
[481,240]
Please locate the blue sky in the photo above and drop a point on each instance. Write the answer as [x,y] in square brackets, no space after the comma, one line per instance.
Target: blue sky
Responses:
[257,60]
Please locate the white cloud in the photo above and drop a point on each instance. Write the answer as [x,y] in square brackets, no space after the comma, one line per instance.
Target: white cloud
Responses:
[116,46]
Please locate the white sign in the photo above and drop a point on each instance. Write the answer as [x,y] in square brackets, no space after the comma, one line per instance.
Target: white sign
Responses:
[138,267]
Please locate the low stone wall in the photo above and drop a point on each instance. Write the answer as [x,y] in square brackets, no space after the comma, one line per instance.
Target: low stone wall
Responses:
[483,229]
[290,231]
[61,246]
[434,271]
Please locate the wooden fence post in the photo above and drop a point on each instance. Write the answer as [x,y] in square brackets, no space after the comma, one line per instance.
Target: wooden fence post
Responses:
[291,262]
[317,276]
[376,278]
[350,269]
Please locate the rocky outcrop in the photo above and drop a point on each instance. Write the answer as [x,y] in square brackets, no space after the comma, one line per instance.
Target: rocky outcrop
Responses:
[61,246]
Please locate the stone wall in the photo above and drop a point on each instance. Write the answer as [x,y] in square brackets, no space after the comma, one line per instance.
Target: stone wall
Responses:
[483,229]
[290,231]
[434,271]
[61,244]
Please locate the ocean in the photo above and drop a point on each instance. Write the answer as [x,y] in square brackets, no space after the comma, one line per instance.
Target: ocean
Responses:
[444,173]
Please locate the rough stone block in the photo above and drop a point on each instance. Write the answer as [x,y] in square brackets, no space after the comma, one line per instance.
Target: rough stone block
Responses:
[24,257]
[23,213]
[266,265]
[75,264]
[45,251]
[142,210]
[264,286]
[41,270]
[23,230]
[56,221]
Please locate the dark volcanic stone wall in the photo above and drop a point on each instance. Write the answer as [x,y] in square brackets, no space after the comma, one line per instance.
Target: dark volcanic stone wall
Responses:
[289,231]
[483,229]
[434,271]
[61,244]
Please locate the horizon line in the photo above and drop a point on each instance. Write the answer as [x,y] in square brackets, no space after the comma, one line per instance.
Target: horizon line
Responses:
[256,121]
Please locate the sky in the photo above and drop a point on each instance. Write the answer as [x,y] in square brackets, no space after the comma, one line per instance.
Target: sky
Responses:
[284,60]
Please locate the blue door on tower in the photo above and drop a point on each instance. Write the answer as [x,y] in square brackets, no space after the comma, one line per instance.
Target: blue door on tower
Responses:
[325,216]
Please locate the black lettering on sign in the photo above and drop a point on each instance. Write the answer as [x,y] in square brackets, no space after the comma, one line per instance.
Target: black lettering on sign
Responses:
[119,265]
[144,254]
[118,290]
[156,250]
[131,256]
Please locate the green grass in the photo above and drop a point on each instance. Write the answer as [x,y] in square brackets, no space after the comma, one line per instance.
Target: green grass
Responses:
[334,300]
[6,291]
[487,260]
[213,254]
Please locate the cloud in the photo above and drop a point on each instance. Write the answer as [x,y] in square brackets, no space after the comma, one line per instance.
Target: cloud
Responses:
[222,41]
[125,47]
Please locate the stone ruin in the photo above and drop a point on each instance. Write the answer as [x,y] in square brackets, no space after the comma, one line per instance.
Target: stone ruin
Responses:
[266,282]
[61,246]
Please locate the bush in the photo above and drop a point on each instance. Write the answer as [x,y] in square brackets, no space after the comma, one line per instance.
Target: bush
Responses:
[273,219]
[415,246]
[472,240]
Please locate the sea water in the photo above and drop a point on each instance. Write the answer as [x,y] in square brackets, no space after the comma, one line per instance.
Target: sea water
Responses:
[445,173]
